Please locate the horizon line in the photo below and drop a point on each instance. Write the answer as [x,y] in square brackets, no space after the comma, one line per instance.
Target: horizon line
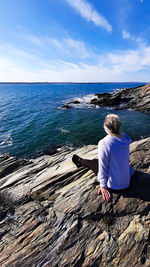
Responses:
[68,82]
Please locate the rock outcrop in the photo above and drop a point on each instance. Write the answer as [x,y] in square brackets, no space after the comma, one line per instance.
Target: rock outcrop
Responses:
[146,88]
[51,215]
[137,99]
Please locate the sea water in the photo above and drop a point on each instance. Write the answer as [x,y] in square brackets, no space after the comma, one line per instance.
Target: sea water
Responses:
[31,118]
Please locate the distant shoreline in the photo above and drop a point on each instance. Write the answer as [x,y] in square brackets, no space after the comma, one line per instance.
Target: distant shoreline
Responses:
[65,82]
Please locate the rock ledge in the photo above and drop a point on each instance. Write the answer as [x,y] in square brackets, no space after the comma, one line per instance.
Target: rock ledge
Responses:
[50,214]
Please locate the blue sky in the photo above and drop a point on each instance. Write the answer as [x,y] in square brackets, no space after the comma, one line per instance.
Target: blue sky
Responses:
[74,40]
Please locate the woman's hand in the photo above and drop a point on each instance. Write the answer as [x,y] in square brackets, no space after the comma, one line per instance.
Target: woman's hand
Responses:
[105,193]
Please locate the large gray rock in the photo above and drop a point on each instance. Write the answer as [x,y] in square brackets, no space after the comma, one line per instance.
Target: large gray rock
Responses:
[137,99]
[51,215]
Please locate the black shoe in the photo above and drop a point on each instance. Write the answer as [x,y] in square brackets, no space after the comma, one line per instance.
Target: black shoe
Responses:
[76,160]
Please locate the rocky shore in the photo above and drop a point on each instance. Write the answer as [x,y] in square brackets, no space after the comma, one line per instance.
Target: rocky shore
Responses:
[137,99]
[51,215]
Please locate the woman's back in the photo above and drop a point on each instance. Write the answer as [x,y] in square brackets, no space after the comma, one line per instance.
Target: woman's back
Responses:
[113,152]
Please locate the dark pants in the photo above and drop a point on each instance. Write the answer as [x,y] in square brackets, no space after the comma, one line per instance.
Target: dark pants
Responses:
[91,164]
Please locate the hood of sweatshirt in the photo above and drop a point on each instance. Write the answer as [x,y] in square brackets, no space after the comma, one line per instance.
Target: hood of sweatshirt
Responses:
[123,141]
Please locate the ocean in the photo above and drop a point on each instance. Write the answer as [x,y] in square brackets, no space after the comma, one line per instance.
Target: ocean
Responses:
[31,118]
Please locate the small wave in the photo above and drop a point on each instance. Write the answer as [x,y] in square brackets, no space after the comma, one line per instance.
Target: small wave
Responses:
[85,99]
[80,102]
[63,130]
[109,108]
[6,140]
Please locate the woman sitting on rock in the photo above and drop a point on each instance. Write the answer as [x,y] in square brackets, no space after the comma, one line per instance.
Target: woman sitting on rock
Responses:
[112,167]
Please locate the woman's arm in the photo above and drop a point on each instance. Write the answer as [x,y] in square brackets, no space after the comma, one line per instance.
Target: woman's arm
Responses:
[103,164]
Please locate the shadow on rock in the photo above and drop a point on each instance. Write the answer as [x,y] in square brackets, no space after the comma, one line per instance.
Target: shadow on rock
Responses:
[139,187]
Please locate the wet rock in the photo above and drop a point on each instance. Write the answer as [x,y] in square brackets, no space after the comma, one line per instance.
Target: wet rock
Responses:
[106,100]
[66,106]
[51,215]
[95,101]
[49,150]
[76,102]
[103,94]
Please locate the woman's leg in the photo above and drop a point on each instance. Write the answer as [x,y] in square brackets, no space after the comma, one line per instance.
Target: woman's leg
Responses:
[91,164]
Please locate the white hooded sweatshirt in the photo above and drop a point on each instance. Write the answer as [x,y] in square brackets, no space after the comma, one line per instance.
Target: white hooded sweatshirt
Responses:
[113,157]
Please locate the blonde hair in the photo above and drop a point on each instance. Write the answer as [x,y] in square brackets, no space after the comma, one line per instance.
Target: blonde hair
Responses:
[112,123]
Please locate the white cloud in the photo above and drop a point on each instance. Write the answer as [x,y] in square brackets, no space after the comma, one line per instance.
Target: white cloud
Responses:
[85,9]
[55,42]
[33,39]
[6,64]
[125,34]
[138,40]
[75,73]
[127,65]
[77,46]
[130,61]
[54,46]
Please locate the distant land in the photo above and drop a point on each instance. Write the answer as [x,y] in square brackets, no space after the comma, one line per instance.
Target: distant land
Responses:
[63,82]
